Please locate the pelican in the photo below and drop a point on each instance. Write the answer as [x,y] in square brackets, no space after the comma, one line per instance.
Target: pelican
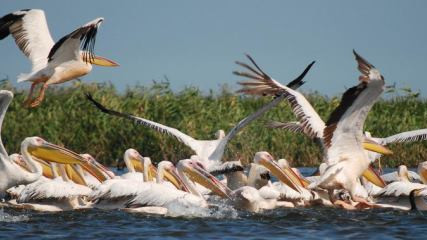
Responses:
[399,194]
[143,196]
[57,194]
[139,168]
[343,134]
[417,199]
[13,175]
[210,152]
[412,176]
[52,63]
[310,123]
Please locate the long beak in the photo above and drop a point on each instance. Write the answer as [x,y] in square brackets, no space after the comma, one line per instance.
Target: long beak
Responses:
[423,174]
[372,176]
[137,164]
[47,170]
[105,62]
[152,172]
[286,175]
[207,180]
[54,153]
[175,179]
[375,147]
[75,175]
[94,171]
[104,169]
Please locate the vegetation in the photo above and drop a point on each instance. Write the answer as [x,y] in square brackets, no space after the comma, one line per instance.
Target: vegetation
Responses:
[67,118]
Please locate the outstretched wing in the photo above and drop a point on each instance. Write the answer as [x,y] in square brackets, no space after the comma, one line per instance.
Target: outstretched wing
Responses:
[68,47]
[262,84]
[410,136]
[31,33]
[295,127]
[187,140]
[344,129]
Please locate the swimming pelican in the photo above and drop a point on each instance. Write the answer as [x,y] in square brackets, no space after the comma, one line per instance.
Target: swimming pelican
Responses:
[210,152]
[13,175]
[343,134]
[397,194]
[52,63]
[417,198]
[140,195]
[309,123]
[57,194]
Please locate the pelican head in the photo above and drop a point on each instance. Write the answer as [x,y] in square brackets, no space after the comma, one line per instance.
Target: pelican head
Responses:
[220,134]
[133,160]
[422,171]
[167,170]
[402,172]
[44,150]
[286,175]
[197,173]
[92,160]
[148,169]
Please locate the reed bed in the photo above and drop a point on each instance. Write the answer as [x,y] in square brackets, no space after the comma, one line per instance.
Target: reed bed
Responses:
[67,118]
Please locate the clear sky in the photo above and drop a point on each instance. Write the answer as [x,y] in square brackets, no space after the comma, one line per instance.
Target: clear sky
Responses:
[195,43]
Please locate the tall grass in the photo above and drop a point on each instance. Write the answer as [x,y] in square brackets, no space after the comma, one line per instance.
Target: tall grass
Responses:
[67,118]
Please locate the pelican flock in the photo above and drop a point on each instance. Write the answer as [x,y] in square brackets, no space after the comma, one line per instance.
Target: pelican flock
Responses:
[47,177]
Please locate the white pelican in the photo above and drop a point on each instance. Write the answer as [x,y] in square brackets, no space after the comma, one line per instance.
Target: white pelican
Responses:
[210,152]
[397,194]
[52,63]
[309,123]
[140,195]
[394,176]
[343,135]
[57,194]
[13,175]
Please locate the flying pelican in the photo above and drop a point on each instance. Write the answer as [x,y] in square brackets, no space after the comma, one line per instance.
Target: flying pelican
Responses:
[343,134]
[210,152]
[309,123]
[52,63]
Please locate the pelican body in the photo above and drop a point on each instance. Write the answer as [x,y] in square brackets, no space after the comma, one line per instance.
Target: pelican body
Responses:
[52,63]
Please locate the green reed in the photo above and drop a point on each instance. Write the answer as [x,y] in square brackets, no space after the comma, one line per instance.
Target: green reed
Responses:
[67,118]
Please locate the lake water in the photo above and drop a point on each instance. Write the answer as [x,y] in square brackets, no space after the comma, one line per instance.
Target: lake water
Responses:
[225,223]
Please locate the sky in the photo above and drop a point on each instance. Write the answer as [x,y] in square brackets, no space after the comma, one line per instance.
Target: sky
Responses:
[195,43]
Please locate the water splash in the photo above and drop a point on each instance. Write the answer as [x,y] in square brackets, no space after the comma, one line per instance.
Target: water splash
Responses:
[5,217]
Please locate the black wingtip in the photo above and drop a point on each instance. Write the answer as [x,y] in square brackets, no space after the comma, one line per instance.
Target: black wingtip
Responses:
[97,104]
[298,82]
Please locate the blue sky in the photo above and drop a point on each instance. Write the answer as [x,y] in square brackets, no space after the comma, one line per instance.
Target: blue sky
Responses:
[195,43]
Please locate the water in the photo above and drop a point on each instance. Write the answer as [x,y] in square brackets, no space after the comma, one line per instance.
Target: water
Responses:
[227,223]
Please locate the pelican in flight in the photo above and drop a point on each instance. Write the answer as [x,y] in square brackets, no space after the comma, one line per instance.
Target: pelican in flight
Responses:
[52,63]
[343,134]
[210,152]
[309,121]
